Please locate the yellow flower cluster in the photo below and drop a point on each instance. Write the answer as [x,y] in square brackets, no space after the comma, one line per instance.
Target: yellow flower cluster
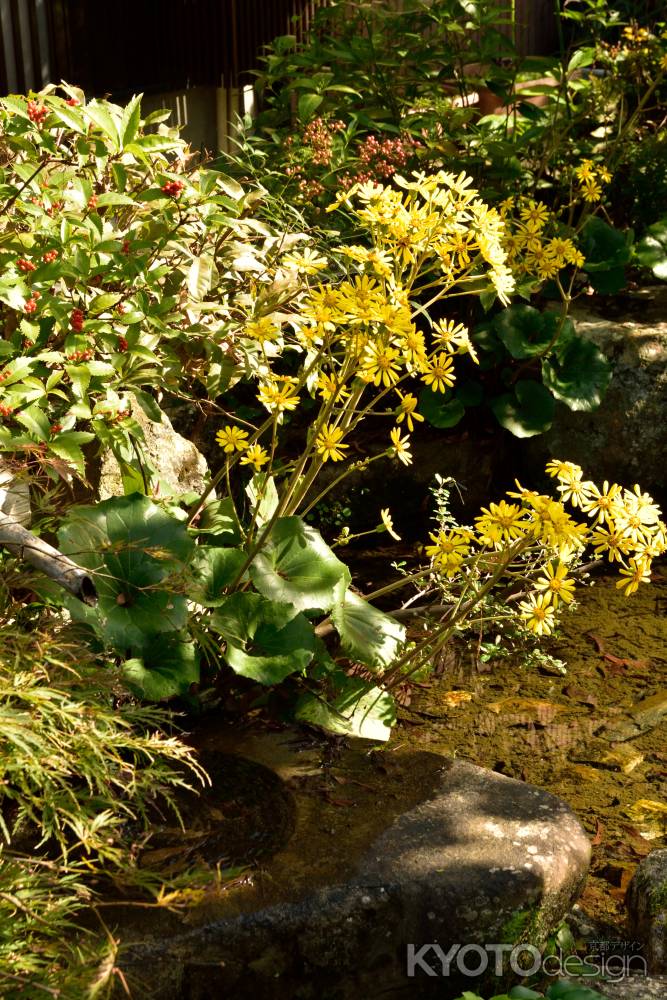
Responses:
[532,240]
[590,177]
[232,439]
[623,524]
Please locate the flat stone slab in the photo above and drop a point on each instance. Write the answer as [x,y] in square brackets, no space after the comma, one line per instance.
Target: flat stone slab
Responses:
[483,860]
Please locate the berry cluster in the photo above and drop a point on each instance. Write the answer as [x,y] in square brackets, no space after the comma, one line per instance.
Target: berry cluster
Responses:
[84,355]
[73,102]
[122,345]
[384,159]
[76,320]
[50,256]
[318,134]
[36,112]
[92,203]
[5,410]
[57,205]
[173,188]
[31,304]
[25,265]
[56,428]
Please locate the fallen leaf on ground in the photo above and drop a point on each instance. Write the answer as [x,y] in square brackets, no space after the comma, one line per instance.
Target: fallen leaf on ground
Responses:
[650,816]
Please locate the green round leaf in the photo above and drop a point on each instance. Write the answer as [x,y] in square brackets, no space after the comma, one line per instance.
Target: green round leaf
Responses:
[578,376]
[168,667]
[265,640]
[441,409]
[651,251]
[298,567]
[368,713]
[214,569]
[529,410]
[130,545]
[367,634]
[525,331]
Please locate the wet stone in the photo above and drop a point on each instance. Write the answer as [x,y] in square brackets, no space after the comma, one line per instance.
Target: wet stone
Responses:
[647,908]
[482,859]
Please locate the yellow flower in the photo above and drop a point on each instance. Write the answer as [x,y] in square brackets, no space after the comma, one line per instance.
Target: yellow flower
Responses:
[566,471]
[232,439]
[328,386]
[388,524]
[538,614]
[407,410]
[379,365]
[638,571]
[263,330]
[308,262]
[448,543]
[599,504]
[556,585]
[536,213]
[278,398]
[401,446]
[591,191]
[438,373]
[328,443]
[412,347]
[612,542]
[255,456]
[501,521]
[551,523]
[585,171]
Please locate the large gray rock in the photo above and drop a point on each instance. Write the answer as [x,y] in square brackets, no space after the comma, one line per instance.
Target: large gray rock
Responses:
[484,860]
[647,908]
[623,440]
[179,466]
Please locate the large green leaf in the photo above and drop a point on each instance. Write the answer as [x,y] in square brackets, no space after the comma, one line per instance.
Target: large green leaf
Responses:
[525,331]
[265,640]
[168,667]
[357,710]
[529,410]
[607,251]
[579,375]
[297,566]
[130,545]
[651,251]
[367,634]
[441,410]
[214,569]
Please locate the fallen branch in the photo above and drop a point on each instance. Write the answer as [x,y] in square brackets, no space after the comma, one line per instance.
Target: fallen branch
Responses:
[47,560]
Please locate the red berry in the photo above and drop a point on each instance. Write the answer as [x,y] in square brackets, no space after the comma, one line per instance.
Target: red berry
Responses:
[56,428]
[122,345]
[25,265]
[92,202]
[30,306]
[50,256]
[72,101]
[5,410]
[126,246]
[173,188]
[76,320]
[36,112]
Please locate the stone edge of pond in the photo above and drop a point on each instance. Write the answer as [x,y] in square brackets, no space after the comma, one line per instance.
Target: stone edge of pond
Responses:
[486,860]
